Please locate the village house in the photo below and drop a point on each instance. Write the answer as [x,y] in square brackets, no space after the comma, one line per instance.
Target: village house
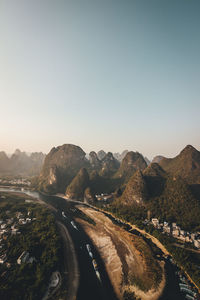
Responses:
[3,258]
[167,229]
[155,222]
[23,258]
[175,232]
[197,243]
[3,226]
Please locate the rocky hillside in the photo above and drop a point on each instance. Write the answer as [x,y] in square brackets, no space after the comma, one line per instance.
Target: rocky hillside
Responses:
[61,165]
[120,156]
[89,196]
[132,162]
[136,190]
[101,154]
[157,159]
[109,165]
[186,165]
[64,162]
[106,173]
[95,162]
[77,188]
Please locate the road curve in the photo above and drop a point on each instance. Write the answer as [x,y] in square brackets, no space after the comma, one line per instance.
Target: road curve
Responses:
[72,264]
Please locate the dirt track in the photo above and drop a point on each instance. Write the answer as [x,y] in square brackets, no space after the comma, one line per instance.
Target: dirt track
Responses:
[121,258]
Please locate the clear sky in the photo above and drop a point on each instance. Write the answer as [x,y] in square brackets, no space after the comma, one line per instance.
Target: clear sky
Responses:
[106,74]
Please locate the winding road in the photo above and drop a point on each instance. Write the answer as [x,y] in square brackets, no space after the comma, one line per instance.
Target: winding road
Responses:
[83,280]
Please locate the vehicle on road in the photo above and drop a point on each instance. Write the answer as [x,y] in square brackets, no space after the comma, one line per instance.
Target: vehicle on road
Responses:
[89,250]
[74,225]
[63,214]
[88,247]
[95,265]
[98,275]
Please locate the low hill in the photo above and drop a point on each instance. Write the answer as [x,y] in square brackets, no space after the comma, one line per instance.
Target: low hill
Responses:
[77,187]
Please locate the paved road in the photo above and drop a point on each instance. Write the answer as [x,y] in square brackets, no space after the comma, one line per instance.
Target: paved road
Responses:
[70,264]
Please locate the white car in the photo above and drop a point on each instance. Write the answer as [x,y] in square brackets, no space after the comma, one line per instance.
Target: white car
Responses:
[89,250]
[95,265]
[74,225]
[98,275]
[63,214]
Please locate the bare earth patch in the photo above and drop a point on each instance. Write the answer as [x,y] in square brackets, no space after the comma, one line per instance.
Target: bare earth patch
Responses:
[120,254]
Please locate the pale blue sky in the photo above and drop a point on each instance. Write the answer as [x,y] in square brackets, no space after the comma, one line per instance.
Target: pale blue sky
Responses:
[116,75]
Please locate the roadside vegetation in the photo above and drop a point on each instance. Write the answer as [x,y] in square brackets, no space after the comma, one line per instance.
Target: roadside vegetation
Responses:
[39,237]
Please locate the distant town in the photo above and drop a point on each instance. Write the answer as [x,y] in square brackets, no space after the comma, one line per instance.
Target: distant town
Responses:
[15,182]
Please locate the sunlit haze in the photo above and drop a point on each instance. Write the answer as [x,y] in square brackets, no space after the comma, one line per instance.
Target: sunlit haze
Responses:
[110,75]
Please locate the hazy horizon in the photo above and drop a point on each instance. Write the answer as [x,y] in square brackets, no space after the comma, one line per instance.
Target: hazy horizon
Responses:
[96,150]
[110,75]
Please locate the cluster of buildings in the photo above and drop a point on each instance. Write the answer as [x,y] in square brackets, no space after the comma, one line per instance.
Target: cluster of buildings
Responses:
[104,197]
[16,182]
[11,226]
[175,231]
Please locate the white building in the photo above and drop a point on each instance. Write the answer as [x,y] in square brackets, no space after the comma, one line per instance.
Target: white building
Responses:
[3,226]
[175,232]
[197,243]
[167,229]
[24,257]
[174,226]
[3,258]
[155,222]
[182,232]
